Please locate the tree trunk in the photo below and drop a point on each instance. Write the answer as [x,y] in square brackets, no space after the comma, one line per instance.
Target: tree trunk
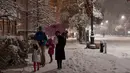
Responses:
[3,27]
[81,31]
[80,34]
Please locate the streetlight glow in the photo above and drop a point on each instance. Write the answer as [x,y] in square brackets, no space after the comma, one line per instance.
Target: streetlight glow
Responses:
[94,26]
[102,23]
[122,17]
[106,21]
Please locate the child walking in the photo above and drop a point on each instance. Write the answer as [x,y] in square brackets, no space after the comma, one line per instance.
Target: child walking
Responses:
[51,46]
[36,55]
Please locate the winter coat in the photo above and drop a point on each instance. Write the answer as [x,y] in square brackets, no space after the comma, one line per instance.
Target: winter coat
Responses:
[36,56]
[64,43]
[51,46]
[41,38]
[51,49]
[35,53]
[59,50]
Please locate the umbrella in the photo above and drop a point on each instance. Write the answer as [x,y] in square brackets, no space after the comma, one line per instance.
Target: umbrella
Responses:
[50,30]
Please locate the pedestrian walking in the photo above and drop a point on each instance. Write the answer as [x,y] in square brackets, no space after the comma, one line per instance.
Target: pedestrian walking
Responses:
[59,50]
[36,55]
[41,37]
[51,46]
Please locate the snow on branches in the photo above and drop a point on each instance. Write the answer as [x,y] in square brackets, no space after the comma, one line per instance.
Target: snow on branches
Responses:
[8,7]
[81,18]
[97,13]
[40,13]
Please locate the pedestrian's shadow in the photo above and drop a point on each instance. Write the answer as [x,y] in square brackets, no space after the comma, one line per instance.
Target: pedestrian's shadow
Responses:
[51,71]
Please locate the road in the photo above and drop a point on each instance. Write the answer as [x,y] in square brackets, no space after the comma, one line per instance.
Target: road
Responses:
[117,46]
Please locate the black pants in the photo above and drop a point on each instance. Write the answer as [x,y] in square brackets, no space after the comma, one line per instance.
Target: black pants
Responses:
[59,64]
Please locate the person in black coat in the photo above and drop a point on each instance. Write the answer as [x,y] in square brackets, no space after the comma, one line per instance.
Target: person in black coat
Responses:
[64,35]
[59,52]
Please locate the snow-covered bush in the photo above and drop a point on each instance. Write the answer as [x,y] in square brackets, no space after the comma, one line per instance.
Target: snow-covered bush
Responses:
[13,52]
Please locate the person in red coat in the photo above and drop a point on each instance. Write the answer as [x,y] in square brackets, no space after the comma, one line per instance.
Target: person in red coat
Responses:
[51,46]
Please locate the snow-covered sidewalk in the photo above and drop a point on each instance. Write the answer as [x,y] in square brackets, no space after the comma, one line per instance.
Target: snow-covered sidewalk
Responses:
[80,60]
[90,61]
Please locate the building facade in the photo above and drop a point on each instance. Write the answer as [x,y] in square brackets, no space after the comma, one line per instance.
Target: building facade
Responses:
[10,25]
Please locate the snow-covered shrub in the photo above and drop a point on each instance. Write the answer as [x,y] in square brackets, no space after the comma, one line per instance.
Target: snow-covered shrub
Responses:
[13,52]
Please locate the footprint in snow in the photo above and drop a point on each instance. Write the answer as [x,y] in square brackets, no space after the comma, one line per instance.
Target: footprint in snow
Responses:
[114,68]
[104,69]
[124,55]
[113,72]
[70,67]
[77,66]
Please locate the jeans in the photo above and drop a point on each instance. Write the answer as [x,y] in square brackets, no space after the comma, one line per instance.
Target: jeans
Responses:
[43,60]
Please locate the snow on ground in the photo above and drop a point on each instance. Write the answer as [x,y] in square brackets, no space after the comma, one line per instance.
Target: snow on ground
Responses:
[89,61]
[108,37]
[117,45]
[80,60]
[120,49]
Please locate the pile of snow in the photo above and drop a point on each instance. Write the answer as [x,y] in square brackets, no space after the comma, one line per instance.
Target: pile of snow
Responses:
[90,61]
[12,52]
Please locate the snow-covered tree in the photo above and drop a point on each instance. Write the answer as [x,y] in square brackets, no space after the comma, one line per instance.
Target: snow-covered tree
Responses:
[8,7]
[77,16]
[40,13]
[71,8]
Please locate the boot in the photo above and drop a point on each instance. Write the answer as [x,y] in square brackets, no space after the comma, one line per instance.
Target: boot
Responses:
[51,61]
[58,64]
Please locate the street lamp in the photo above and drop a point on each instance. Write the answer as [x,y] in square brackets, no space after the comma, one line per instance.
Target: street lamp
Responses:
[92,44]
[122,21]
